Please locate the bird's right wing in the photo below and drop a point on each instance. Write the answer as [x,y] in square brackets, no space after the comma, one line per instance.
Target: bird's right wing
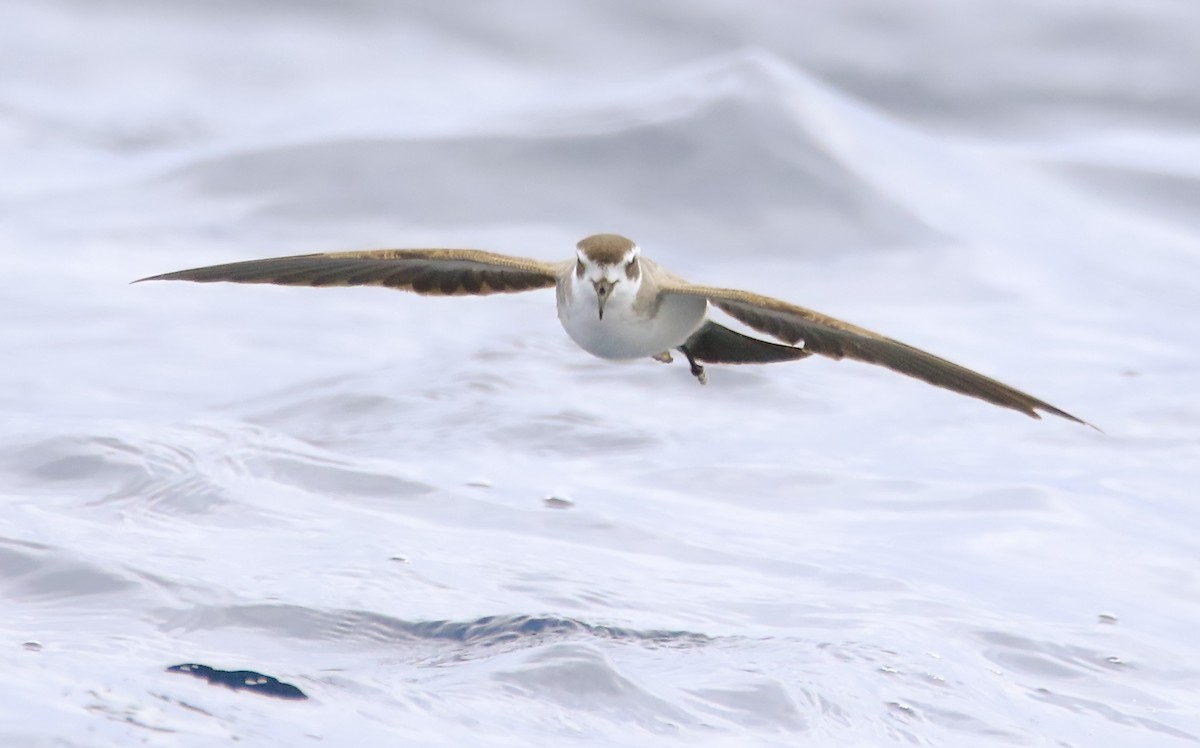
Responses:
[433,272]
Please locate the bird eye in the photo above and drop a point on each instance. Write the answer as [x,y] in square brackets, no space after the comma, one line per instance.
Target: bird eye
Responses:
[631,264]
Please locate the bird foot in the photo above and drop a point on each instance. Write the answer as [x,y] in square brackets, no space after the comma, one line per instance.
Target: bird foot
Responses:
[697,369]
[663,358]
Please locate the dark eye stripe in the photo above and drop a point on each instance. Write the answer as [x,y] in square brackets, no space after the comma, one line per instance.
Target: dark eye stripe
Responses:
[631,269]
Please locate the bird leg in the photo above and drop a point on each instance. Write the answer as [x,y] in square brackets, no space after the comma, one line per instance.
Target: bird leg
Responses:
[663,358]
[697,369]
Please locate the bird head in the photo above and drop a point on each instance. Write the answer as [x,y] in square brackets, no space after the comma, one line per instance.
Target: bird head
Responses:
[607,265]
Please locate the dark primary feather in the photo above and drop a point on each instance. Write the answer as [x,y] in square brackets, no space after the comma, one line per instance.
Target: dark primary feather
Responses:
[836,339]
[434,272]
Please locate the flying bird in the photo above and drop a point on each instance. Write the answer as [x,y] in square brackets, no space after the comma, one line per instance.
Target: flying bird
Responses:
[618,305]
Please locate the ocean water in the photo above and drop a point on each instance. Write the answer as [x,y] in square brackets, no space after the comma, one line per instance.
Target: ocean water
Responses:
[446,525]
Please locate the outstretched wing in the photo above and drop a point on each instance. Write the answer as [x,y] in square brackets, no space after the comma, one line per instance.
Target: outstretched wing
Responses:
[836,339]
[434,272]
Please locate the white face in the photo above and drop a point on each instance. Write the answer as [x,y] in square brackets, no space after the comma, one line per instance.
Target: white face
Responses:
[610,285]
[627,270]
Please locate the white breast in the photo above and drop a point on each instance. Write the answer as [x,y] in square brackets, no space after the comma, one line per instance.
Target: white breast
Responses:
[626,333]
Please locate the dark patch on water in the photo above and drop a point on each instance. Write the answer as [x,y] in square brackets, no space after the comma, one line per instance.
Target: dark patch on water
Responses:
[241,680]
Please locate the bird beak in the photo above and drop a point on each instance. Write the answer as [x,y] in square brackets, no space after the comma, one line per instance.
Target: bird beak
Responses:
[603,291]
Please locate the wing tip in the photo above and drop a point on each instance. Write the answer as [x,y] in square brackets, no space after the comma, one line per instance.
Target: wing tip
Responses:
[177,275]
[1032,411]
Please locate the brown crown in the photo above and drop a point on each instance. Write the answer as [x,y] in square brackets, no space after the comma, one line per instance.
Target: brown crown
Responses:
[605,249]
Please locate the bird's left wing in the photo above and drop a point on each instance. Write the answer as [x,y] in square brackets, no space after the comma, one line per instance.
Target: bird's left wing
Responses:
[836,339]
[432,272]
